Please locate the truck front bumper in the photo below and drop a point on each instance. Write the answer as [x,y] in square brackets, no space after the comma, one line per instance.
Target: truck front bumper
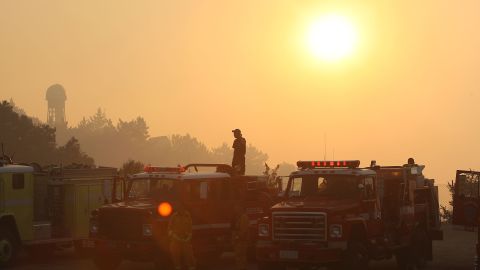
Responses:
[130,250]
[304,253]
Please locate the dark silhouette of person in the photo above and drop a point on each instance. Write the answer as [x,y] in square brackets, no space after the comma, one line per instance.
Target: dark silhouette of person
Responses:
[239,150]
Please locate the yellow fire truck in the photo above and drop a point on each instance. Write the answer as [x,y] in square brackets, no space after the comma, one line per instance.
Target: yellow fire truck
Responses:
[43,210]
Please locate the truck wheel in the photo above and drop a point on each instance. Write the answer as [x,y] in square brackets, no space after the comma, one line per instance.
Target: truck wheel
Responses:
[270,266]
[8,247]
[106,262]
[355,257]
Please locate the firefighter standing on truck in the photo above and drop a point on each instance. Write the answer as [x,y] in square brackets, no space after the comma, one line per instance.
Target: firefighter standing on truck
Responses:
[180,235]
[239,150]
[240,236]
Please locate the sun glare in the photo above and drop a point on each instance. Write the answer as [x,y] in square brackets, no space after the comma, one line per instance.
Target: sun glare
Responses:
[332,37]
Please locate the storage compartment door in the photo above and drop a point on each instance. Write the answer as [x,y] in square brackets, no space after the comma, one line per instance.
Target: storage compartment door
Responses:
[82,212]
[95,197]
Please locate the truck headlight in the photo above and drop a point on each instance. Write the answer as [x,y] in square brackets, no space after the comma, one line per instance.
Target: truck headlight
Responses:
[335,231]
[147,230]
[263,230]
[93,227]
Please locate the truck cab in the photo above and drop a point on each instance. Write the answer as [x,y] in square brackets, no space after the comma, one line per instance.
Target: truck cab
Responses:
[41,211]
[337,214]
[136,228]
[16,209]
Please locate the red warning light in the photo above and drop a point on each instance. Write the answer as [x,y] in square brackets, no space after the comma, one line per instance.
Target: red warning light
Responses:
[328,164]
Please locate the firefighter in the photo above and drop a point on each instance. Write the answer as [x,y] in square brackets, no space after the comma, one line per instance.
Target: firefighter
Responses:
[240,236]
[180,235]
[239,150]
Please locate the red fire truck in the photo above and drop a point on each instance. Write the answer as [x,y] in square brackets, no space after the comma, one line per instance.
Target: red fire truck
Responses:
[466,198]
[337,214]
[136,228]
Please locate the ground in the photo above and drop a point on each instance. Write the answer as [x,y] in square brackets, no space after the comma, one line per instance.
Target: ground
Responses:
[455,252]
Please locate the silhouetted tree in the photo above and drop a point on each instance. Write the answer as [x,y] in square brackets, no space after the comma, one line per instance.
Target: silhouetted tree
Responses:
[286,168]
[112,144]
[446,213]
[255,160]
[135,130]
[71,153]
[131,167]
[30,142]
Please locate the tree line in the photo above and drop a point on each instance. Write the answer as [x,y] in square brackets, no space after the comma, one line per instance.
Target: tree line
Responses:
[112,144]
[26,140]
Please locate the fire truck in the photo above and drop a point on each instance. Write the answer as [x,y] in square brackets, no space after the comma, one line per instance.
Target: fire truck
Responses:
[466,198]
[44,210]
[338,215]
[466,204]
[136,228]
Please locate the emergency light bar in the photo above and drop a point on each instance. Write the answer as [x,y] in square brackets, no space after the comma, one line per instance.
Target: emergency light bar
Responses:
[328,164]
[152,169]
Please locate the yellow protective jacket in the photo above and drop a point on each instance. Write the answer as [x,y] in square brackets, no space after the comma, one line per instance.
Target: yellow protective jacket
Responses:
[180,227]
[241,228]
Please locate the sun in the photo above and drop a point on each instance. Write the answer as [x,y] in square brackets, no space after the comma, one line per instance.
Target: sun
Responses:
[332,37]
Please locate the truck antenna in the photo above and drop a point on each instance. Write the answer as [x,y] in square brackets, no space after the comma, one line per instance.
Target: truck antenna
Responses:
[325,146]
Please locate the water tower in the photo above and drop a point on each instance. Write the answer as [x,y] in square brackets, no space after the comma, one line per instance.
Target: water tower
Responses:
[56,98]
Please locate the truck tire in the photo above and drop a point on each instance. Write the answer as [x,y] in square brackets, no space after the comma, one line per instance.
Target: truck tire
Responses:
[270,266]
[355,257]
[8,247]
[106,261]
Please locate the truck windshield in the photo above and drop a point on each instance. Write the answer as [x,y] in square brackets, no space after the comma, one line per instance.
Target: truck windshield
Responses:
[336,186]
[150,188]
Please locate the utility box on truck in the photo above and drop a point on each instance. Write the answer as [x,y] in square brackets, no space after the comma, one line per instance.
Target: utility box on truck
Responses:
[43,210]
[73,193]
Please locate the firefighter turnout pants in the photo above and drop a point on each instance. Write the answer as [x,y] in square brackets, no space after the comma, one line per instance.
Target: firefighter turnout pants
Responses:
[240,248]
[182,253]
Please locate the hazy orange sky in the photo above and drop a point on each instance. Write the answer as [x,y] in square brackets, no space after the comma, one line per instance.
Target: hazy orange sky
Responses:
[411,87]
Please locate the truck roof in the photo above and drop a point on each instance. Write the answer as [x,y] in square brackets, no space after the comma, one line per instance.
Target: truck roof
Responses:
[337,171]
[179,176]
[15,169]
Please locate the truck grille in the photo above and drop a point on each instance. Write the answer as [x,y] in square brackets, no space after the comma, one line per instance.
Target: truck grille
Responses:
[294,226]
[118,224]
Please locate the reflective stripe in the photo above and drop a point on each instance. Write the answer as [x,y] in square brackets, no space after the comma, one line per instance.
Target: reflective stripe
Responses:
[18,202]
